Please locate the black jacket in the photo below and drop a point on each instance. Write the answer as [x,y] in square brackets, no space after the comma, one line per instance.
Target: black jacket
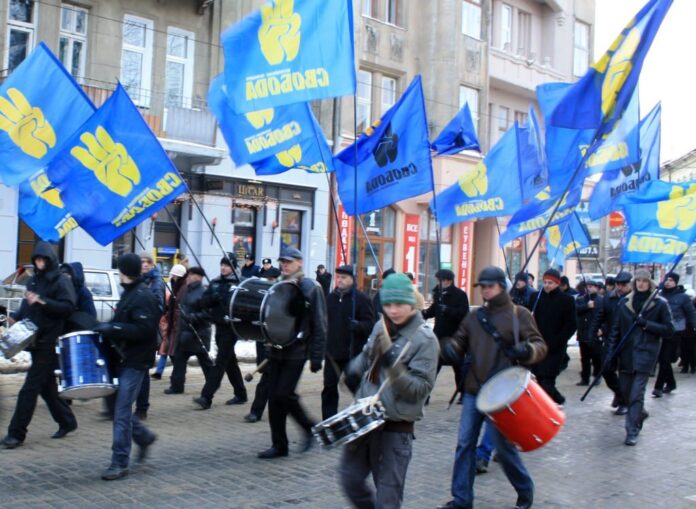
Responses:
[216,298]
[135,326]
[522,297]
[193,320]
[58,294]
[586,315]
[555,317]
[603,318]
[342,344]
[325,281]
[250,271]
[456,307]
[313,324]
[683,311]
[153,280]
[639,352]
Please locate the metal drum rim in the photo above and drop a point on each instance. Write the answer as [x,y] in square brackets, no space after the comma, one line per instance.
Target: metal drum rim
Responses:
[78,333]
[486,408]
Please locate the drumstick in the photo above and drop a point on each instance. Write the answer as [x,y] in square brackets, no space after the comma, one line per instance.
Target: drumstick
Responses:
[250,376]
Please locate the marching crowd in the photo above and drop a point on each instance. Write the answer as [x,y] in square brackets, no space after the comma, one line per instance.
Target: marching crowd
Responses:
[340,332]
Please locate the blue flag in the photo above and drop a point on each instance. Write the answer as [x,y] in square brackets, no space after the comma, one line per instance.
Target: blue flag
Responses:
[490,189]
[458,135]
[659,231]
[615,184]
[531,158]
[565,239]
[392,157]
[113,173]
[290,51]
[258,135]
[597,101]
[41,105]
[42,209]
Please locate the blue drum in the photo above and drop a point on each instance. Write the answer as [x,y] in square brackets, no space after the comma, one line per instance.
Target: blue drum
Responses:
[84,372]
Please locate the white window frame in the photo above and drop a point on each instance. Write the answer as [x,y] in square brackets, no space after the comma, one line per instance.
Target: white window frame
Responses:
[142,96]
[366,7]
[503,116]
[21,26]
[506,31]
[471,96]
[581,55]
[188,62]
[471,6]
[524,32]
[388,89]
[72,36]
[521,117]
[397,13]
[365,79]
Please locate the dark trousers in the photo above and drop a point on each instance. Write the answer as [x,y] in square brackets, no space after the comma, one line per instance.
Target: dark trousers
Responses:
[611,377]
[40,381]
[688,352]
[633,389]
[143,401]
[178,378]
[225,362]
[590,360]
[386,456]
[329,395]
[261,394]
[283,377]
[665,375]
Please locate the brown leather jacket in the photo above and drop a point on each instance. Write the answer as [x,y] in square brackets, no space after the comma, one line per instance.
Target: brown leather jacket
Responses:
[486,357]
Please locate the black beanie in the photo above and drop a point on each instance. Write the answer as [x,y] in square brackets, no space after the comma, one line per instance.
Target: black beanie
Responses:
[229,260]
[673,276]
[129,265]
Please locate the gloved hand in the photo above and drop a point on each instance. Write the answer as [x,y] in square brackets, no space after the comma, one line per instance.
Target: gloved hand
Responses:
[104,328]
[520,352]
[641,321]
[353,325]
[442,308]
[389,357]
[315,366]
[450,352]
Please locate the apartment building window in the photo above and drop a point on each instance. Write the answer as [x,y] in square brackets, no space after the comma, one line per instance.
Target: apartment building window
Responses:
[470,96]
[21,24]
[364,100]
[72,45]
[368,8]
[503,118]
[471,18]
[524,33]
[581,53]
[506,27]
[179,69]
[388,93]
[136,58]
[521,117]
[393,12]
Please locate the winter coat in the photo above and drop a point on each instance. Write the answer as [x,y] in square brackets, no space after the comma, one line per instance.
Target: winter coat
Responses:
[586,315]
[522,297]
[216,299]
[555,317]
[153,280]
[250,271]
[683,311]
[342,344]
[193,320]
[456,307]
[602,320]
[85,302]
[639,352]
[485,354]
[325,281]
[135,326]
[412,379]
[58,295]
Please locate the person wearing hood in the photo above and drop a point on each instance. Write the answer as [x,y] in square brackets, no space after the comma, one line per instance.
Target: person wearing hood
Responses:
[48,302]
[76,274]
[647,323]
[522,292]
[683,317]
[324,279]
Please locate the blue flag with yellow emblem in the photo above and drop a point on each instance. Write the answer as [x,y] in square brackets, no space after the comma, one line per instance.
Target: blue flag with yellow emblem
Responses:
[565,239]
[41,105]
[392,157]
[42,209]
[660,221]
[458,135]
[258,135]
[532,159]
[489,189]
[112,172]
[290,51]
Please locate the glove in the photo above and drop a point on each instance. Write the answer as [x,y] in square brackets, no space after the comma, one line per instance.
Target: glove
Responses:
[450,352]
[315,366]
[353,325]
[520,353]
[104,328]
[442,308]
[641,321]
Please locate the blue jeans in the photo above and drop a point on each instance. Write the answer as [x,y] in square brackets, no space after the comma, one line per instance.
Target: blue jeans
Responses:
[127,427]
[484,451]
[161,364]
[464,471]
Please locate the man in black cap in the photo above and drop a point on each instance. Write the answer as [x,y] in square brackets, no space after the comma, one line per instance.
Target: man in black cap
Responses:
[521,293]
[286,364]
[587,305]
[324,278]
[216,301]
[566,288]
[133,332]
[250,269]
[450,306]
[600,327]
[266,268]
[609,284]
[351,319]
[554,311]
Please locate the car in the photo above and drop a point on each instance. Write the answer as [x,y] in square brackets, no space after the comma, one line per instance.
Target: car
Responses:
[103,283]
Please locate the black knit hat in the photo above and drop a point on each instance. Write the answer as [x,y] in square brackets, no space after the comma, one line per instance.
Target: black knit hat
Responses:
[673,276]
[198,271]
[229,260]
[521,276]
[444,274]
[129,265]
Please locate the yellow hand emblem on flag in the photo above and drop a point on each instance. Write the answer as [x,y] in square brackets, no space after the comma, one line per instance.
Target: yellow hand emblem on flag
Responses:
[554,236]
[679,212]
[475,182]
[290,157]
[44,189]
[279,33]
[26,125]
[260,118]
[109,161]
[544,194]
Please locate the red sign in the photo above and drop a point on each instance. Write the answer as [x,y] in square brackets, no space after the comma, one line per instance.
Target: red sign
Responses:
[616,220]
[345,234]
[466,258]
[411,244]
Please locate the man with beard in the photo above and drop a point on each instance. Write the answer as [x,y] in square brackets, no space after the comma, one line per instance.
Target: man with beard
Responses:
[587,306]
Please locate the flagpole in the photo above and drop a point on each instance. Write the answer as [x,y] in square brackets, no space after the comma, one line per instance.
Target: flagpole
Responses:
[577,252]
[507,268]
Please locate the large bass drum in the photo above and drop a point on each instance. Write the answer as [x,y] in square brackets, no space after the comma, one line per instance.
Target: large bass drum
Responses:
[264,311]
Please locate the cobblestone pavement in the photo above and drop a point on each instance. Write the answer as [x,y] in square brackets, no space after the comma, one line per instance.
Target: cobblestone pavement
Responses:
[208,458]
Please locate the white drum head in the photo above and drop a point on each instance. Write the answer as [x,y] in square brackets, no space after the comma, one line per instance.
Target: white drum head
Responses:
[502,390]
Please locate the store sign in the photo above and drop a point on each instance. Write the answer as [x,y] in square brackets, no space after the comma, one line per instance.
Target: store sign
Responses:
[251,190]
[345,233]
[466,260]
[411,244]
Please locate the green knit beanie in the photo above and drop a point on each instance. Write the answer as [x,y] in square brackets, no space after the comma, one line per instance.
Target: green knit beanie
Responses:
[397,289]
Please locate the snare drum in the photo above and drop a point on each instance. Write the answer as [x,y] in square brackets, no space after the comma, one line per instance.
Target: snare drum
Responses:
[264,311]
[520,408]
[352,423]
[84,372]
[17,338]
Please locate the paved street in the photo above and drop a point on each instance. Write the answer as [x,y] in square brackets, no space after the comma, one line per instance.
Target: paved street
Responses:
[208,459]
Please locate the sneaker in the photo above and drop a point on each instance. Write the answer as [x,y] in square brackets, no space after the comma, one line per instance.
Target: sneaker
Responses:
[621,410]
[252,418]
[113,472]
[62,431]
[631,440]
[11,442]
[481,466]
[202,402]
[236,401]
